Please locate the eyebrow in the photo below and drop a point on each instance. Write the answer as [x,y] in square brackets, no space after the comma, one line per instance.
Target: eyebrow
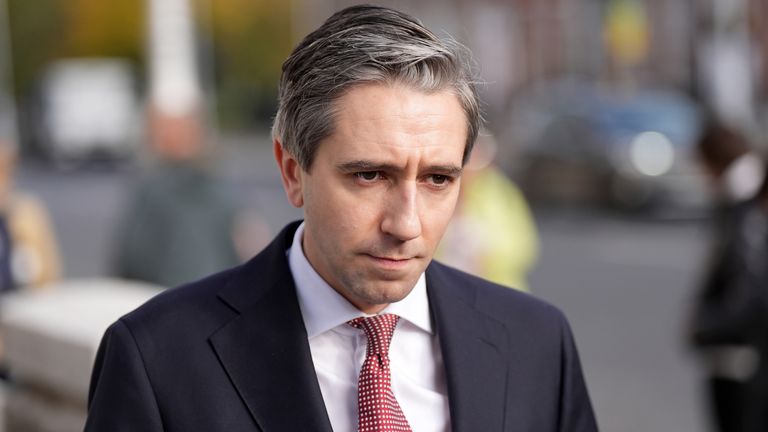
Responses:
[367,165]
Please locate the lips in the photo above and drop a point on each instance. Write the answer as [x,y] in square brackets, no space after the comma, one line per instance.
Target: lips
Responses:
[390,263]
[390,258]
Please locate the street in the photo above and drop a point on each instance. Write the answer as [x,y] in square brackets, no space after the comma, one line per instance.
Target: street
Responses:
[623,283]
[625,286]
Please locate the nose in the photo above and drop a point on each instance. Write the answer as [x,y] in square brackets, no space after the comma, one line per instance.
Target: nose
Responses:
[401,215]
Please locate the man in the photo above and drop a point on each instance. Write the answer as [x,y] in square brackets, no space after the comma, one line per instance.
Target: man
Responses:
[376,118]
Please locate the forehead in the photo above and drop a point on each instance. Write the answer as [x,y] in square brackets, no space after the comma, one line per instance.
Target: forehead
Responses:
[393,118]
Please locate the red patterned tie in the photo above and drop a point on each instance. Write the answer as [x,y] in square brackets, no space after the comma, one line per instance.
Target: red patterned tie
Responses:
[378,409]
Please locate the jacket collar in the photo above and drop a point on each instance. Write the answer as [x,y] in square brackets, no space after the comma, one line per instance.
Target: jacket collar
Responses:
[473,347]
[264,349]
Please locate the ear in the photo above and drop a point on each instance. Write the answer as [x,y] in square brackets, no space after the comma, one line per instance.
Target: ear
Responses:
[290,173]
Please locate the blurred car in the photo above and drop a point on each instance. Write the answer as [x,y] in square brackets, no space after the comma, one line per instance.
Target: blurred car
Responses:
[89,108]
[578,145]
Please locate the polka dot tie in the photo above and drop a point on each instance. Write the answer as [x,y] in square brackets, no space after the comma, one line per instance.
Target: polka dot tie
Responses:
[378,410]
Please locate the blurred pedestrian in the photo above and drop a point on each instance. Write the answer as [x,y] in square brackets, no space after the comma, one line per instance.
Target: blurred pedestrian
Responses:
[730,322]
[179,223]
[29,255]
[492,233]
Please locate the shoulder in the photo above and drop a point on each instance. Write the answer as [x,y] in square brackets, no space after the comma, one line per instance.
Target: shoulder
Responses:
[511,307]
[187,309]
[24,205]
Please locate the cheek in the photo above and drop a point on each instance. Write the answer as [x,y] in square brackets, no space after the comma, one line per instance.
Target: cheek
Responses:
[356,223]
[322,202]
[441,220]
[339,217]
[437,214]
[352,209]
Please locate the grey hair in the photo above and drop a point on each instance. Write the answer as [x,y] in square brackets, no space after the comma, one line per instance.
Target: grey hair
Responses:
[360,45]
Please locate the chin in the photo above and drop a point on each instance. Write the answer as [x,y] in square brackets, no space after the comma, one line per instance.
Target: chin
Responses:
[390,292]
[372,289]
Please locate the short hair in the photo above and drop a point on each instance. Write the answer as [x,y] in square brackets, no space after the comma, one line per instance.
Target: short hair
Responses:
[720,145]
[361,45]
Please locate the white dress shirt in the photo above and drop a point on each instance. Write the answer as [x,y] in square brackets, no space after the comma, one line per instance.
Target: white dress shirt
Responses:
[338,350]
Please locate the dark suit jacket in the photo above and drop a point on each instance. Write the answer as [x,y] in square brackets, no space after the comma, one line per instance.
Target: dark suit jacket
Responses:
[230,353]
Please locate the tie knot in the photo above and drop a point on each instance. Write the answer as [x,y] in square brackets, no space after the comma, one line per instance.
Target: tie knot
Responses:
[379,330]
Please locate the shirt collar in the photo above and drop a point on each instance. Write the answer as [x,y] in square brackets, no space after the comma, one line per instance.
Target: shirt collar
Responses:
[323,308]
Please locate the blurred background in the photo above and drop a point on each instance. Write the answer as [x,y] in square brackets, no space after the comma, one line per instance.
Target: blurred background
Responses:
[119,117]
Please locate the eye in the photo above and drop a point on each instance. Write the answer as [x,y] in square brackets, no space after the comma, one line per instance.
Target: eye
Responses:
[439,180]
[368,176]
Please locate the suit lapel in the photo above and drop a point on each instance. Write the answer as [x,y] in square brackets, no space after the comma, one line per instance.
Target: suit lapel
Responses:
[264,349]
[473,347]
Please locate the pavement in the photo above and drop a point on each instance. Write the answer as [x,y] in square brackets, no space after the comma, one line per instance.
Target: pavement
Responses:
[626,286]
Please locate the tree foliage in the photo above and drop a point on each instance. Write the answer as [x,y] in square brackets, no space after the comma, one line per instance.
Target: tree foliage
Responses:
[252,38]
[43,31]
[246,41]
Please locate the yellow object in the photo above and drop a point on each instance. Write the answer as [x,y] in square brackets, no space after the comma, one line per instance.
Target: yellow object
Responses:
[35,251]
[626,31]
[492,234]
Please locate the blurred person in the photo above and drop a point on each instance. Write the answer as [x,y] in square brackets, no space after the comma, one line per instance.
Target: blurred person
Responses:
[730,323]
[492,233]
[179,223]
[29,255]
[376,118]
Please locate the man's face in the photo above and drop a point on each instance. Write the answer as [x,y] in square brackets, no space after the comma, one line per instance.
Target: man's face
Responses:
[380,191]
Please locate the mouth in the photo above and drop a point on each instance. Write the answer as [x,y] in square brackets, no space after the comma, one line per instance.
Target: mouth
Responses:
[391,262]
